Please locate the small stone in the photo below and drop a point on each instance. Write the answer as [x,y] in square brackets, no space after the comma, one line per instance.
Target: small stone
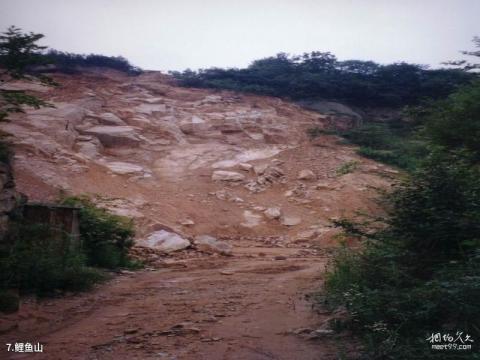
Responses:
[306,175]
[273,213]
[280,257]
[227,272]
[187,222]
[222,175]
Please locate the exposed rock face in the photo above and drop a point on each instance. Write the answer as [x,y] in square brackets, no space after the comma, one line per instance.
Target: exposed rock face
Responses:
[210,244]
[157,147]
[112,136]
[165,241]
[221,175]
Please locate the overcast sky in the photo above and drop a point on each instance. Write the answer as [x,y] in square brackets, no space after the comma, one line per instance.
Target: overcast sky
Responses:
[180,34]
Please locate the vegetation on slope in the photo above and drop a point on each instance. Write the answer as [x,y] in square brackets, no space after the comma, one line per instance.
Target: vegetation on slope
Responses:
[420,274]
[319,75]
[69,63]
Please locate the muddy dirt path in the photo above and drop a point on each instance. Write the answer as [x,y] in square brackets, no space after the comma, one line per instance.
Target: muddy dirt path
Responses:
[241,307]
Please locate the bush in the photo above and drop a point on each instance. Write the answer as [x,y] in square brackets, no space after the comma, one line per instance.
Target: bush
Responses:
[40,262]
[321,75]
[347,168]
[106,238]
[420,273]
[68,62]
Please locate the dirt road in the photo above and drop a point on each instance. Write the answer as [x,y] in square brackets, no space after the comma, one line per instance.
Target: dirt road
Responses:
[202,307]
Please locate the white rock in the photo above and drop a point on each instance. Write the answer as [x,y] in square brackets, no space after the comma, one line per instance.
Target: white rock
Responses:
[165,241]
[150,109]
[110,119]
[306,175]
[209,244]
[197,120]
[288,193]
[222,175]
[245,166]
[291,220]
[251,219]
[260,169]
[187,222]
[273,213]
[122,168]
[88,148]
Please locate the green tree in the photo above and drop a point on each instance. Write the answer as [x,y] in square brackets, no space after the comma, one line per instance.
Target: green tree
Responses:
[19,52]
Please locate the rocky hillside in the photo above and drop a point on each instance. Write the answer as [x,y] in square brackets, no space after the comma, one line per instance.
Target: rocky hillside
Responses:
[187,162]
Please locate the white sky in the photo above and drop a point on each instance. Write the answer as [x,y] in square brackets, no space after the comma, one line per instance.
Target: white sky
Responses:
[180,34]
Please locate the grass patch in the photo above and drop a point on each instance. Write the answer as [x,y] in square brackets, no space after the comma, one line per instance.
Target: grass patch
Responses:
[347,168]
[393,144]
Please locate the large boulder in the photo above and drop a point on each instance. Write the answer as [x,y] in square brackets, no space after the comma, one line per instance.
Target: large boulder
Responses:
[210,244]
[222,175]
[165,241]
[112,136]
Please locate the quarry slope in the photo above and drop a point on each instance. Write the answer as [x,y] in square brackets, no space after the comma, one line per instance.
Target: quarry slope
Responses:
[191,162]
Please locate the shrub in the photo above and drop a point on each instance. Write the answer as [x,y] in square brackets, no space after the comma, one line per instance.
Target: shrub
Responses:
[40,262]
[421,272]
[106,238]
[68,62]
[347,168]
